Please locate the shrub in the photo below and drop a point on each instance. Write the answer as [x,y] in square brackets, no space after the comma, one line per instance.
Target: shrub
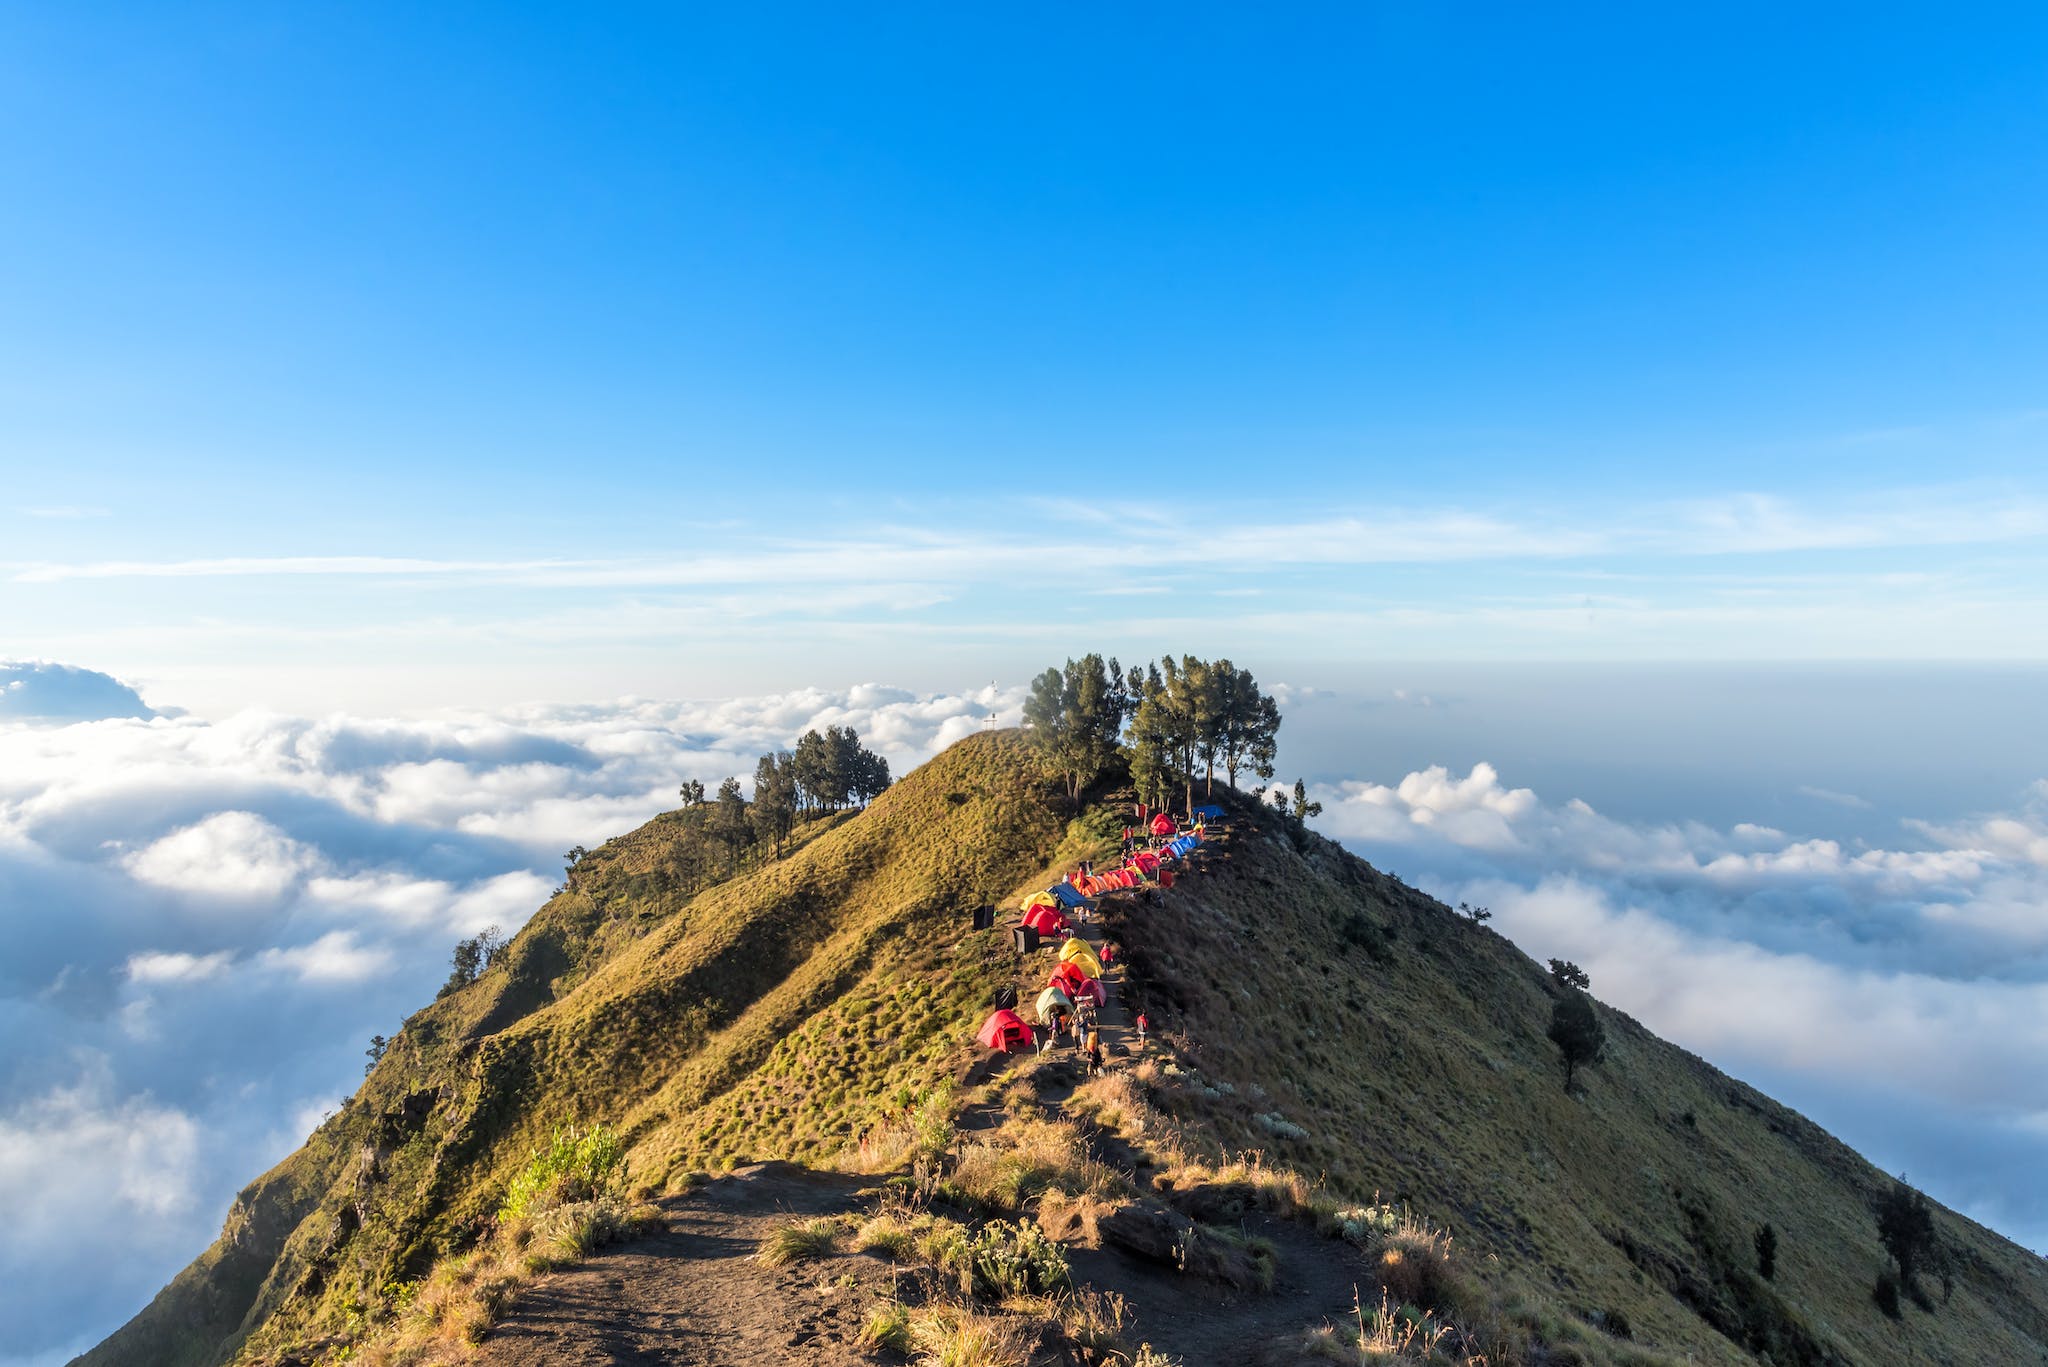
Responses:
[574,1167]
[1017,1260]
[1415,1267]
[1766,1251]
[1280,1127]
[800,1241]
[932,1123]
[1361,1225]
[948,1247]
[1886,1293]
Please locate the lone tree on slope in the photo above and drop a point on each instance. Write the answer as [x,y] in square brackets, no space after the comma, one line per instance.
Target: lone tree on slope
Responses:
[1569,975]
[1576,1031]
[1905,1225]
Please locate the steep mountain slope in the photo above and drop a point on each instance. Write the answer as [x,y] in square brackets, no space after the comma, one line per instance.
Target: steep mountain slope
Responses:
[1320,1011]
[1410,1044]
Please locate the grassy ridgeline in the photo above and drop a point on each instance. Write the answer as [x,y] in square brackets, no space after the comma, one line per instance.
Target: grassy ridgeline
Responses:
[1331,1017]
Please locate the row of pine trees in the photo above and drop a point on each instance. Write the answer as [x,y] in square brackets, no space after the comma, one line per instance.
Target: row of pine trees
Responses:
[1171,724]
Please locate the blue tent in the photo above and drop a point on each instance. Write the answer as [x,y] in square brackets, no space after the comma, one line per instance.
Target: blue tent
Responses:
[1209,813]
[1069,895]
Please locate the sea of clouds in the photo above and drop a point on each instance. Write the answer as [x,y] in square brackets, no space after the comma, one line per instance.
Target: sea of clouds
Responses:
[207,920]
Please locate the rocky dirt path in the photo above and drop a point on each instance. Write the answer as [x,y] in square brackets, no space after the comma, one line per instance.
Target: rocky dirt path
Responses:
[694,1293]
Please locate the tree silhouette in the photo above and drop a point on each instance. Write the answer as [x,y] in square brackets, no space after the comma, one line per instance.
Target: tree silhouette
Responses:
[1905,1225]
[1569,976]
[1576,1031]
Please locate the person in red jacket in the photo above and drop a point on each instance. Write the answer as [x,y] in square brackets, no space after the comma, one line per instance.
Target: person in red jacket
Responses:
[1143,1026]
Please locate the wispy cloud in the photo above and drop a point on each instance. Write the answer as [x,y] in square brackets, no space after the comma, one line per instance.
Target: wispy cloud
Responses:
[1745,524]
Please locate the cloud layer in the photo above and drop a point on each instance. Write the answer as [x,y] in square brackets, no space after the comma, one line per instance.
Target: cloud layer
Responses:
[206,923]
[1901,986]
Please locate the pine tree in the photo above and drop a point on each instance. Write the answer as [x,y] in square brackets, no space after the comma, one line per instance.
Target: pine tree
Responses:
[1076,718]
[729,824]
[773,810]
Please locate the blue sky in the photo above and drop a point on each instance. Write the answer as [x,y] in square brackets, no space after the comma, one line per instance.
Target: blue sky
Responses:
[518,285]
[1622,430]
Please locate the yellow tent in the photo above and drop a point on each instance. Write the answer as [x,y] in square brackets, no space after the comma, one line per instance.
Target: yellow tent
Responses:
[1039,899]
[1077,953]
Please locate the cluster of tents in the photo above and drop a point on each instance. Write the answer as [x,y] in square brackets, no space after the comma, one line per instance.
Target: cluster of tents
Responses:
[1078,975]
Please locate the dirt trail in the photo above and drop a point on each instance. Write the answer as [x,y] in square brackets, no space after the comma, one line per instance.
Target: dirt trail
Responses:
[694,1294]
[1318,1279]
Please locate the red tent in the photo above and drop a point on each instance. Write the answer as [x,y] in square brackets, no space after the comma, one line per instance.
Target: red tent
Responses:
[1146,861]
[1045,921]
[1162,824]
[1090,987]
[1006,1031]
[1166,878]
[1070,978]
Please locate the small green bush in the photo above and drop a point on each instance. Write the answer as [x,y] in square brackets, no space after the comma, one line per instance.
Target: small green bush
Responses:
[576,1166]
[1017,1259]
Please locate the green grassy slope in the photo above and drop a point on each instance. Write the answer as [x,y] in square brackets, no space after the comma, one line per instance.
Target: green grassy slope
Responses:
[782,1012]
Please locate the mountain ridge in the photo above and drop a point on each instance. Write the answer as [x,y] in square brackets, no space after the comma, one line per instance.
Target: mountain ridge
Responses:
[1339,1021]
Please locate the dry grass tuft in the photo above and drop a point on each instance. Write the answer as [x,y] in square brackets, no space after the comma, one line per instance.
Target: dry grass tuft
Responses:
[800,1241]
[1093,1324]
[956,1336]
[887,1328]
[1024,1160]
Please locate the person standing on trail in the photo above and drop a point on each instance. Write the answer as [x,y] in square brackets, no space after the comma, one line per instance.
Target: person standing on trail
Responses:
[1108,954]
[1143,1026]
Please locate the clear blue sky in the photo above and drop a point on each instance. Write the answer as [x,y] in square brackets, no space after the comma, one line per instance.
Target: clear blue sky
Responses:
[516,285]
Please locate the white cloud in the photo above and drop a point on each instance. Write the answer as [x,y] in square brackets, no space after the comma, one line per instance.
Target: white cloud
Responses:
[178,968]
[1830,795]
[60,1150]
[229,854]
[1970,1044]
[333,958]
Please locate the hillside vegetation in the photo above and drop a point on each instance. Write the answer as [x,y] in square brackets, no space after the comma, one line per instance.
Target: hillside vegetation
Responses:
[1358,1036]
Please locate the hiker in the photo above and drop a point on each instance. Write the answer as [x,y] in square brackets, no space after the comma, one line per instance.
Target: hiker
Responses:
[1108,954]
[1094,1057]
[1143,1026]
